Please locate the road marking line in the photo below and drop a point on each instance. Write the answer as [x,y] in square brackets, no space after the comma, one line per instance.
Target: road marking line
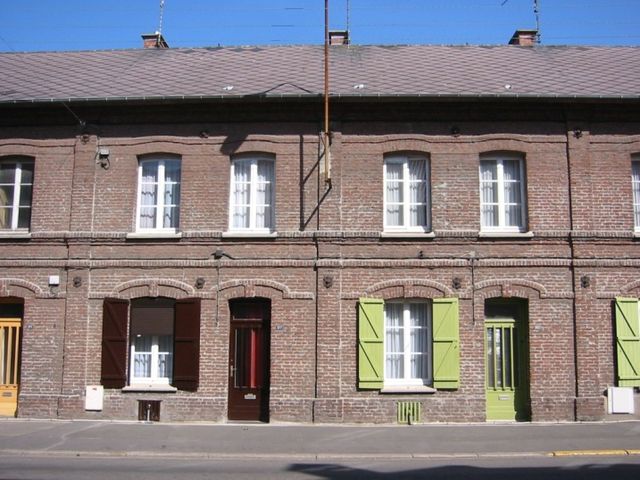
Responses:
[588,453]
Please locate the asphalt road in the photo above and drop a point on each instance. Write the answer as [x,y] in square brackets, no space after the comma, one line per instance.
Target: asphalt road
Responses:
[52,467]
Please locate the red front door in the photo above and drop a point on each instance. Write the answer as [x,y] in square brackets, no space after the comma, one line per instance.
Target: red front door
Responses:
[249,360]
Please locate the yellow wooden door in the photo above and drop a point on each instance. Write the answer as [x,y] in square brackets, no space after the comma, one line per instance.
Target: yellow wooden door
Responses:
[9,365]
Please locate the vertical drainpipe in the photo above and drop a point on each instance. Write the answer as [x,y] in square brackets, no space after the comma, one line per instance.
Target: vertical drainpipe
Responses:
[325,153]
[573,272]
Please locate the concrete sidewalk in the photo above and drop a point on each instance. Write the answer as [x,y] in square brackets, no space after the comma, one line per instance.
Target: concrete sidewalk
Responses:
[50,437]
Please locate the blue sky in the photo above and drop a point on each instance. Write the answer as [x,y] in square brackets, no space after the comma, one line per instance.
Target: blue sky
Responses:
[37,25]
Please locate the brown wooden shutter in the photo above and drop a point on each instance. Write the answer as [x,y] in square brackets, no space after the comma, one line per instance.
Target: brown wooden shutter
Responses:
[114,343]
[186,350]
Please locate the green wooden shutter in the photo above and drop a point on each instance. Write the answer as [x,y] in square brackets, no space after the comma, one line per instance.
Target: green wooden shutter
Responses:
[446,339]
[628,342]
[370,343]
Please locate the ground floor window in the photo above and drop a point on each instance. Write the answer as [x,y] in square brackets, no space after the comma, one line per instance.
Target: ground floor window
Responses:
[151,342]
[152,324]
[407,343]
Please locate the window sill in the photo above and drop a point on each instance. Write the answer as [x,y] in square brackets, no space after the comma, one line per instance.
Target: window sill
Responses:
[408,389]
[636,234]
[505,234]
[153,235]
[407,234]
[15,234]
[249,234]
[150,388]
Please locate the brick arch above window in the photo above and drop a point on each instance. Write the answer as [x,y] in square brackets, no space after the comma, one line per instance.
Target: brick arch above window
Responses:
[18,157]
[254,144]
[509,287]
[268,151]
[408,288]
[156,287]
[631,288]
[502,153]
[16,287]
[402,144]
[260,288]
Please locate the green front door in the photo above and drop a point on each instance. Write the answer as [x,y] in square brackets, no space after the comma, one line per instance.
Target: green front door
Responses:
[507,388]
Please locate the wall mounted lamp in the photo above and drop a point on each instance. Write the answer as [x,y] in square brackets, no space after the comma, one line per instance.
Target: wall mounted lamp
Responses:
[327,281]
[577,132]
[200,281]
[103,157]
[585,281]
[77,282]
[219,253]
[456,283]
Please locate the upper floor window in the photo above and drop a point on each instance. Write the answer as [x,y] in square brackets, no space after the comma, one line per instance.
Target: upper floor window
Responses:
[502,193]
[16,186]
[635,183]
[406,193]
[252,194]
[158,195]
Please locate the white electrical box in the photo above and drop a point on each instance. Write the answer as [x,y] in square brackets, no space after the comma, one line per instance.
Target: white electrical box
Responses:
[620,400]
[54,280]
[94,398]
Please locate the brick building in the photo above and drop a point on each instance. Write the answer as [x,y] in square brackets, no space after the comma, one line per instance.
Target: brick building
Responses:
[175,245]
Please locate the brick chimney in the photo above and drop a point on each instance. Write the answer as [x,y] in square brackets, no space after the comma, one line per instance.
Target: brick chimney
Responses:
[339,37]
[154,40]
[524,38]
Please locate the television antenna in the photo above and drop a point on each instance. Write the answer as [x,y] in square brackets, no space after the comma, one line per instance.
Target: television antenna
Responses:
[536,12]
[161,16]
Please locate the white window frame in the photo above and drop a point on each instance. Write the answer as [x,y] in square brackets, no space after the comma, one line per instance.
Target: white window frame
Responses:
[406,205]
[635,191]
[406,323]
[498,159]
[160,204]
[14,208]
[253,188]
[155,353]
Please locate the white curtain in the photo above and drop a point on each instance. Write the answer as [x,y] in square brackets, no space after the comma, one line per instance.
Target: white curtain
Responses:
[394,340]
[489,193]
[7,185]
[165,356]
[264,191]
[148,194]
[418,192]
[636,191]
[241,193]
[171,193]
[512,197]
[142,357]
[419,327]
[394,194]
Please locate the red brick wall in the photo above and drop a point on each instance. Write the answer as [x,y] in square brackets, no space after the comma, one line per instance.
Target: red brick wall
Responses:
[82,214]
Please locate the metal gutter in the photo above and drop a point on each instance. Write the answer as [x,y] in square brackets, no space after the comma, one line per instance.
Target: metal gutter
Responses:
[339,96]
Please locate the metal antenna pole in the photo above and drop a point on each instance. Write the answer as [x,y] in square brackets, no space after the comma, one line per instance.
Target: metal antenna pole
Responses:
[161,15]
[536,11]
[325,134]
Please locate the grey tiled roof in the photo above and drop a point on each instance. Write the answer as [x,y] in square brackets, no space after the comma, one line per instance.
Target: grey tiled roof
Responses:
[285,71]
